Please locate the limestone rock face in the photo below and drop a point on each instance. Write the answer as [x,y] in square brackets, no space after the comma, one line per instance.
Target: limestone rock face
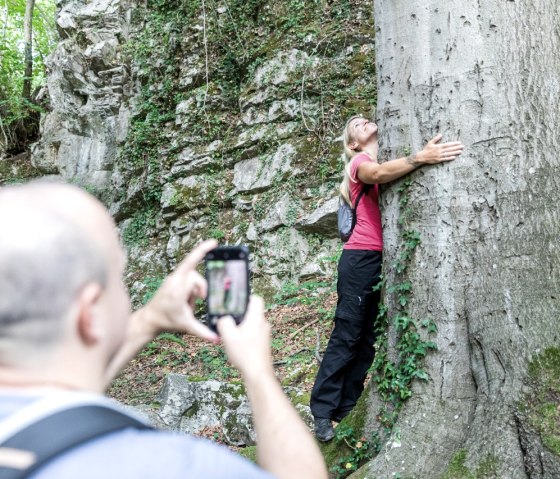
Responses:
[323,220]
[88,84]
[196,406]
[186,135]
[258,173]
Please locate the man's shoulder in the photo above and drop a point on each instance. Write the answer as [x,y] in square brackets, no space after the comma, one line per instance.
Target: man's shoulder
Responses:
[148,454]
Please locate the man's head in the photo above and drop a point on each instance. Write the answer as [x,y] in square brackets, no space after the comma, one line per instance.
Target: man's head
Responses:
[61,293]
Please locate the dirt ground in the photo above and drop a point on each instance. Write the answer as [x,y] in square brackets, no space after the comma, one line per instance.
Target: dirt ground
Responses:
[300,330]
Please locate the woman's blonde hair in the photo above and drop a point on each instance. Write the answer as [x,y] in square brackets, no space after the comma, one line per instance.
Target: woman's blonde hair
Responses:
[347,156]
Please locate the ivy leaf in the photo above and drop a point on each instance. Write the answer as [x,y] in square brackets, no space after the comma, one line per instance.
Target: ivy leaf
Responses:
[421,374]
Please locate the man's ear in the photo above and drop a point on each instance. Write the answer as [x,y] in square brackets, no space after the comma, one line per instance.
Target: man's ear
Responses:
[89,326]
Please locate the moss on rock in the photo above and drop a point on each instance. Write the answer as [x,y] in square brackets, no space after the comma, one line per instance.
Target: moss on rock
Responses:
[487,468]
[542,405]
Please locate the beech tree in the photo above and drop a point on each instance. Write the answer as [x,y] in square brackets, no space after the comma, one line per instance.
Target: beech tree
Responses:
[487,270]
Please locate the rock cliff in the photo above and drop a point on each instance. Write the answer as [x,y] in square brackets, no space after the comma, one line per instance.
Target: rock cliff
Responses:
[195,119]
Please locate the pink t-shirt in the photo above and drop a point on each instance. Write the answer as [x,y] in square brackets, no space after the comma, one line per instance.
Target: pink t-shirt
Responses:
[367,234]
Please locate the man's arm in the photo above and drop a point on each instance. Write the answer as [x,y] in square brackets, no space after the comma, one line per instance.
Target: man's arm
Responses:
[434,152]
[171,309]
[285,447]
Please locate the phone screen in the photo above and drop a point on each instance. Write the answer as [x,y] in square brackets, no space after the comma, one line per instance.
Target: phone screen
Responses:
[227,287]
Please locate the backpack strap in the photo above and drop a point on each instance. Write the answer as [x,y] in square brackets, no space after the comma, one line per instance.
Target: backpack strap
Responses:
[365,189]
[33,446]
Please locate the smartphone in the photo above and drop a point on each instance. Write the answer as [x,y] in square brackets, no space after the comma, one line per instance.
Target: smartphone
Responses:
[227,274]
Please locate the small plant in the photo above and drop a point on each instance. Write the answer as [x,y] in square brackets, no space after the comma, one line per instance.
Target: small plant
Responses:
[217,234]
[152,285]
[215,363]
[137,231]
[172,337]
[360,450]
[308,293]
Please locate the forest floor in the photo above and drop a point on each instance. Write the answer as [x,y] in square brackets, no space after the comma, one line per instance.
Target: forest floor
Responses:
[301,321]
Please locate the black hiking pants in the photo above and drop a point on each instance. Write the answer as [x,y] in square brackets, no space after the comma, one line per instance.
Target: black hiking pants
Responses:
[350,352]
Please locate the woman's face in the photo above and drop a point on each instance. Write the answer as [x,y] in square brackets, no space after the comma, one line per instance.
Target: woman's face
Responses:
[362,131]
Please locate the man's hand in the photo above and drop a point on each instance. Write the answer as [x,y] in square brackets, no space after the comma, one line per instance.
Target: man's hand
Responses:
[285,447]
[436,152]
[248,345]
[172,307]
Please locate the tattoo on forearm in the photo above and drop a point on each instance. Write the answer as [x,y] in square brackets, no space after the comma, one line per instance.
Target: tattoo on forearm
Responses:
[411,160]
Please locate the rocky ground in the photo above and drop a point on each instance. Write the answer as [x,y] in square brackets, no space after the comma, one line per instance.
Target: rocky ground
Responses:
[301,322]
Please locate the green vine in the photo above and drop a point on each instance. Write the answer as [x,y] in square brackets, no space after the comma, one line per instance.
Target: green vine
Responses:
[394,373]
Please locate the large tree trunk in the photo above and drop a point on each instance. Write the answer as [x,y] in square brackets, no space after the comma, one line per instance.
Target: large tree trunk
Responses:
[485,72]
[28,48]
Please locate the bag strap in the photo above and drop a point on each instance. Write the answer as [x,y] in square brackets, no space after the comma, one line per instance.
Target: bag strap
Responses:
[365,189]
[57,433]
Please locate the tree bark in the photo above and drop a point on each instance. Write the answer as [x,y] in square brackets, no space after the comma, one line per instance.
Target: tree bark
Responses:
[488,268]
[28,48]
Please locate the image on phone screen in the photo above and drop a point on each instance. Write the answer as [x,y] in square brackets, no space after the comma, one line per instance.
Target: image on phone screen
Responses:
[227,287]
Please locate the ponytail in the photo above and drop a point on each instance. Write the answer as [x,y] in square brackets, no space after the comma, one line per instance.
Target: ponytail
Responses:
[347,161]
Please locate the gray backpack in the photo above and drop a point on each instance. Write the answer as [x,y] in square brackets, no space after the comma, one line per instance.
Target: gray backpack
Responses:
[347,216]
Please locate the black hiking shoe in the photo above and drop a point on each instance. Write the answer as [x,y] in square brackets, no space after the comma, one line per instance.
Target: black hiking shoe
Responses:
[324,431]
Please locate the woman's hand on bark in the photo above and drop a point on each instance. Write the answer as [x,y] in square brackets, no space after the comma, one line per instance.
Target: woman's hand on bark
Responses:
[435,152]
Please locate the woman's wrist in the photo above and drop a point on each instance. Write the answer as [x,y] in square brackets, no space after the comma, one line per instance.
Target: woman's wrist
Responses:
[414,160]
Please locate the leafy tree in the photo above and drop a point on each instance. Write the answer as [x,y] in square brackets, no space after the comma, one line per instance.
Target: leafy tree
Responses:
[22,67]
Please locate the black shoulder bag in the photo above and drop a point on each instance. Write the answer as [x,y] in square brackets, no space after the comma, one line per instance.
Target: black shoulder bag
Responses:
[57,433]
[347,216]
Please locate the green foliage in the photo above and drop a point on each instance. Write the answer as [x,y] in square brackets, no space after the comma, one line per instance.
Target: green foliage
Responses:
[173,338]
[136,233]
[215,364]
[249,452]
[152,285]
[358,450]
[395,373]
[308,293]
[15,111]
[217,234]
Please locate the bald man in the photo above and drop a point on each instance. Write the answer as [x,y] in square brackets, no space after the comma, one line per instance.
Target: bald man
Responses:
[66,329]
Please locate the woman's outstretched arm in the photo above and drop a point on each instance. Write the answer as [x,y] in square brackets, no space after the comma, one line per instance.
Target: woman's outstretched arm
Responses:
[434,152]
